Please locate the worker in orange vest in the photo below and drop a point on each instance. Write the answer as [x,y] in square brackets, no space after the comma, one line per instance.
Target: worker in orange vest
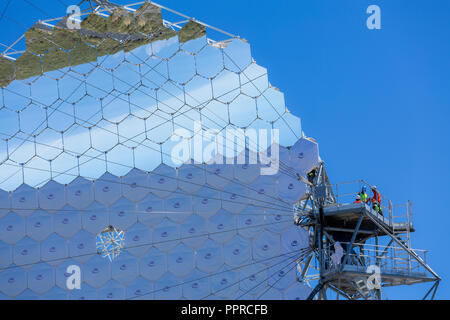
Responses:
[358,199]
[376,200]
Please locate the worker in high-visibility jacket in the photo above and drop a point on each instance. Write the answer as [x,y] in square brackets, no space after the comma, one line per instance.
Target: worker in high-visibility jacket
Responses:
[311,175]
[363,195]
[376,200]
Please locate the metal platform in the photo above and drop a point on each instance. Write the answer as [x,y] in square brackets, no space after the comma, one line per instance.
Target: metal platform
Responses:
[395,268]
[390,277]
[346,280]
[344,218]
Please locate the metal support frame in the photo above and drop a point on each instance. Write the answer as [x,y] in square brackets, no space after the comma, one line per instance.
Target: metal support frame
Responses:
[411,252]
[434,286]
[350,247]
[318,288]
[102,6]
[307,265]
[320,197]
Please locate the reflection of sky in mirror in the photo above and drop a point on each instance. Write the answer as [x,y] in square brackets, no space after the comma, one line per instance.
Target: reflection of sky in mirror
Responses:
[96,140]
[125,109]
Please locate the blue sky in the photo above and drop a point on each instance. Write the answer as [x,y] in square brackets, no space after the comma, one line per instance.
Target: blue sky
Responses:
[377,101]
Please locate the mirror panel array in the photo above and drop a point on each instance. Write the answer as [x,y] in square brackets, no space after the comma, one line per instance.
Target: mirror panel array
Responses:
[88,123]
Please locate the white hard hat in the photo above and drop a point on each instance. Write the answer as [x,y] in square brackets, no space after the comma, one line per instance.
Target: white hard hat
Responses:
[358,197]
[374,187]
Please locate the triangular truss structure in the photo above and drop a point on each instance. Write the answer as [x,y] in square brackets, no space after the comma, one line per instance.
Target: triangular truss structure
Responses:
[110,242]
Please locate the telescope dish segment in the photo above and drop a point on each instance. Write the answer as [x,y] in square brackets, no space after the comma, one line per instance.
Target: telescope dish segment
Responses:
[151,156]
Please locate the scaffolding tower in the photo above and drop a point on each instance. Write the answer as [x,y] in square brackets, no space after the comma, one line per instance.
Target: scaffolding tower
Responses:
[357,251]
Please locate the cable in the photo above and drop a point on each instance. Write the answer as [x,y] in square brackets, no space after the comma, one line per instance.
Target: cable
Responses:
[140,245]
[240,280]
[250,81]
[138,106]
[210,275]
[4,10]
[270,286]
[130,167]
[261,282]
[81,211]
[37,8]
[176,192]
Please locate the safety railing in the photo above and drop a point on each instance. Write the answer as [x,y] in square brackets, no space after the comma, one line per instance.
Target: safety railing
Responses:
[387,258]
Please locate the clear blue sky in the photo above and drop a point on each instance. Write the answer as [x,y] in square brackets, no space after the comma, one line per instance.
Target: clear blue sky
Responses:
[377,101]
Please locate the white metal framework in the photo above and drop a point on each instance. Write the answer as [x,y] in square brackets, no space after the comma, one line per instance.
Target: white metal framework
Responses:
[104,8]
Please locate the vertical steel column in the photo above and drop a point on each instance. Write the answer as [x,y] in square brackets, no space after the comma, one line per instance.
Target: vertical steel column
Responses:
[347,254]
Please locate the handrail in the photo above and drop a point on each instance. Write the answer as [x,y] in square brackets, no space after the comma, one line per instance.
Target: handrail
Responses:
[401,213]
[386,257]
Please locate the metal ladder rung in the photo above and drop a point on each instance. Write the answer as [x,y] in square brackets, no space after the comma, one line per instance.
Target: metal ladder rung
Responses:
[362,288]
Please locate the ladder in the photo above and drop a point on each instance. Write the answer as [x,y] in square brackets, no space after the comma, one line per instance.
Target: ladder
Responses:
[361,287]
[402,258]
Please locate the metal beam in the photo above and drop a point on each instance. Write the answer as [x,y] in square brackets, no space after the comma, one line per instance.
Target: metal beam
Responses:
[347,254]
[339,291]
[411,252]
[387,248]
[307,265]
[315,290]
[348,230]
[434,286]
[435,289]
